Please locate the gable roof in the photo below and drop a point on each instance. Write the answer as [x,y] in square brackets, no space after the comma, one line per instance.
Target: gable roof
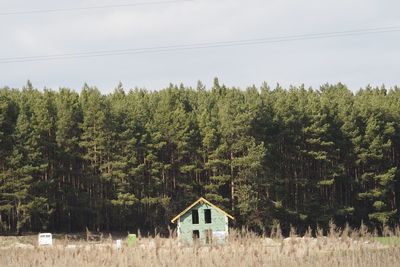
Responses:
[195,203]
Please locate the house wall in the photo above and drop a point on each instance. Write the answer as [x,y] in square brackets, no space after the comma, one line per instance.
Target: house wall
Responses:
[219,223]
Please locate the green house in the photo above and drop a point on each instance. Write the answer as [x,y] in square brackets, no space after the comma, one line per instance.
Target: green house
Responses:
[202,221]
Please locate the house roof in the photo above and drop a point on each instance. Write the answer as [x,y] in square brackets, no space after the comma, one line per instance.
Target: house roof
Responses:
[195,203]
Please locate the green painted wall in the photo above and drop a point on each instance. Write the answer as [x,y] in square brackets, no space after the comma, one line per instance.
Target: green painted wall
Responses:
[219,224]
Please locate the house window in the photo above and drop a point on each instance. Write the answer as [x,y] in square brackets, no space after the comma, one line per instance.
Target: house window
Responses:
[207,215]
[195,216]
[196,234]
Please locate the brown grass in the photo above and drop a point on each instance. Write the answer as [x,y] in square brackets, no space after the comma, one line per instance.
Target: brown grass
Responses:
[337,248]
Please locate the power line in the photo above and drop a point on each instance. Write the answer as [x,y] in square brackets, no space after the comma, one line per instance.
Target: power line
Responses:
[72,9]
[196,46]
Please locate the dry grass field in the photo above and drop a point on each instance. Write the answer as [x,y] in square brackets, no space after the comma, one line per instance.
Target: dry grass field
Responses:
[338,248]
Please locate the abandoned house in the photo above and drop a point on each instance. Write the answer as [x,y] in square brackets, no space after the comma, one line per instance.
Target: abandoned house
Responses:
[202,221]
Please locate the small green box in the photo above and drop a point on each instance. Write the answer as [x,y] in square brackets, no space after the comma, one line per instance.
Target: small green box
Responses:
[131,239]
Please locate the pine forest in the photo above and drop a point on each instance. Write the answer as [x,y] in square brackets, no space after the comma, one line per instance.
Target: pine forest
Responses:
[133,159]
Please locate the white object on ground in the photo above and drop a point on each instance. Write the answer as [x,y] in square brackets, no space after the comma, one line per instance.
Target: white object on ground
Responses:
[219,234]
[118,243]
[45,239]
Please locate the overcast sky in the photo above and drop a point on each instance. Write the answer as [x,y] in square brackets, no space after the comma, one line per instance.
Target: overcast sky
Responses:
[355,61]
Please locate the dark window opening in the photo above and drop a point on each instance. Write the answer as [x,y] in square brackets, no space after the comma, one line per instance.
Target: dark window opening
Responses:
[195,216]
[196,234]
[207,215]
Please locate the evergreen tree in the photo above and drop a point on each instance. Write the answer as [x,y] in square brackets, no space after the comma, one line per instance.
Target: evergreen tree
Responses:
[70,200]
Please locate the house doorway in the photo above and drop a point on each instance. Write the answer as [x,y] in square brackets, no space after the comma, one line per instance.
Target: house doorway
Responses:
[208,235]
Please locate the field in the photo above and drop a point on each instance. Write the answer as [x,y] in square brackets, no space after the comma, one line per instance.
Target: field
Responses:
[242,249]
[390,240]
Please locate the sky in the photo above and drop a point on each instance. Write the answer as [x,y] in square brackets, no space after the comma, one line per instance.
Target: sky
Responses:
[353,60]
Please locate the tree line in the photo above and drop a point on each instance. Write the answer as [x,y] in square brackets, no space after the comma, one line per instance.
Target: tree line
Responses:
[133,159]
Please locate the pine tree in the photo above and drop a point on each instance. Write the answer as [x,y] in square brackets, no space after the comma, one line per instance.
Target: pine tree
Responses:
[95,142]
[8,117]
[71,202]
